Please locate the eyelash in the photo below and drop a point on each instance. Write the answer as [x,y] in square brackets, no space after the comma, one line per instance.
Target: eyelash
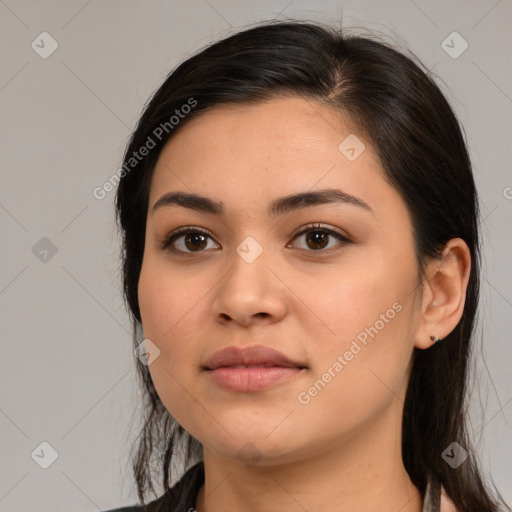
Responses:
[170,239]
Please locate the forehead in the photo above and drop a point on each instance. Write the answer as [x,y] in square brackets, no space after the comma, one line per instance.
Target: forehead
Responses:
[297,125]
[243,154]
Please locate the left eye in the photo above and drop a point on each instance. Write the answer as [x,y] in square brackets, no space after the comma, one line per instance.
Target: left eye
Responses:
[317,238]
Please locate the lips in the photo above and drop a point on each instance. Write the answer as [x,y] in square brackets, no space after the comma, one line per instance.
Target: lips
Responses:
[251,356]
[253,368]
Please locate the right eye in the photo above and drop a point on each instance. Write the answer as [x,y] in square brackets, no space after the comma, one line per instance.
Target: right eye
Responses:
[187,240]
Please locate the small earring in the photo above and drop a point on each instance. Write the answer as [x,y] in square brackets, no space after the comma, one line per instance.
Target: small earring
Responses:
[435,339]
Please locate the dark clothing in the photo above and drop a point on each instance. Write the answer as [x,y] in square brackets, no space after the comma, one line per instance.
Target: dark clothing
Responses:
[180,498]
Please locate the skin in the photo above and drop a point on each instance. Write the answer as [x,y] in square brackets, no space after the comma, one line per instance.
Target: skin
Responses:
[340,451]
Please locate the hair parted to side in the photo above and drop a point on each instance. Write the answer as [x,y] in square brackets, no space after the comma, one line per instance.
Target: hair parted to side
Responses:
[398,107]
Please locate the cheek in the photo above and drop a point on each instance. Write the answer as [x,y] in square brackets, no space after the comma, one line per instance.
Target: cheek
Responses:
[362,373]
[170,303]
[359,294]
[166,299]
[369,310]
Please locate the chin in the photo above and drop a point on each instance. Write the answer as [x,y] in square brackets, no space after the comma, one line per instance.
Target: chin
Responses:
[257,445]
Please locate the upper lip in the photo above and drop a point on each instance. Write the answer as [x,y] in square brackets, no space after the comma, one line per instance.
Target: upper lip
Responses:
[254,355]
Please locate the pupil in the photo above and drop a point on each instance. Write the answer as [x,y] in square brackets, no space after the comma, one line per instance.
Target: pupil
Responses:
[193,238]
[318,238]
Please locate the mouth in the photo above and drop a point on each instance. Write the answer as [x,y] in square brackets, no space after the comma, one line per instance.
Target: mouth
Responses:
[252,368]
[252,378]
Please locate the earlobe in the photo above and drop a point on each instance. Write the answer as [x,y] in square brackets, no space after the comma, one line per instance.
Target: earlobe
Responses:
[444,293]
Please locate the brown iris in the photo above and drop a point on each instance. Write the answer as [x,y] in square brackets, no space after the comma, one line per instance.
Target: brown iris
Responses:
[318,239]
[195,241]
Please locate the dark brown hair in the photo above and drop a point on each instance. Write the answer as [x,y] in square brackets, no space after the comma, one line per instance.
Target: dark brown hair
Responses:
[393,102]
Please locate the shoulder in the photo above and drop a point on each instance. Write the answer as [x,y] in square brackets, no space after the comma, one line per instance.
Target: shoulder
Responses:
[180,498]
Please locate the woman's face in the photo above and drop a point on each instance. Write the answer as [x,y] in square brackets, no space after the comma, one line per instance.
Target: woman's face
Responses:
[340,300]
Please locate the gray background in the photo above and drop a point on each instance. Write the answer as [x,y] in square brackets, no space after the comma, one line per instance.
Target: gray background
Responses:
[67,369]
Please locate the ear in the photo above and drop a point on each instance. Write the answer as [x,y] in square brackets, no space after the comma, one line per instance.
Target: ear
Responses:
[444,293]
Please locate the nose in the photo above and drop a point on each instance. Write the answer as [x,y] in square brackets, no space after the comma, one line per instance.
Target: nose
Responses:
[250,293]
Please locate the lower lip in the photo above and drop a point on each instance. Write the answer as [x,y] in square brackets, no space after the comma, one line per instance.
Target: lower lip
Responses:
[252,378]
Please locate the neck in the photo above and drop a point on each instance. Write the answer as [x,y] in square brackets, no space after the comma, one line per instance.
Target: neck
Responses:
[363,473]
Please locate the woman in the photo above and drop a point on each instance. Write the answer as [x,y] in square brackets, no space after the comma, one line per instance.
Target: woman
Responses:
[300,261]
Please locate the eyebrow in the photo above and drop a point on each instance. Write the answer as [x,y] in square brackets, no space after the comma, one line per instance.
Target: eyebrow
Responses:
[278,206]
